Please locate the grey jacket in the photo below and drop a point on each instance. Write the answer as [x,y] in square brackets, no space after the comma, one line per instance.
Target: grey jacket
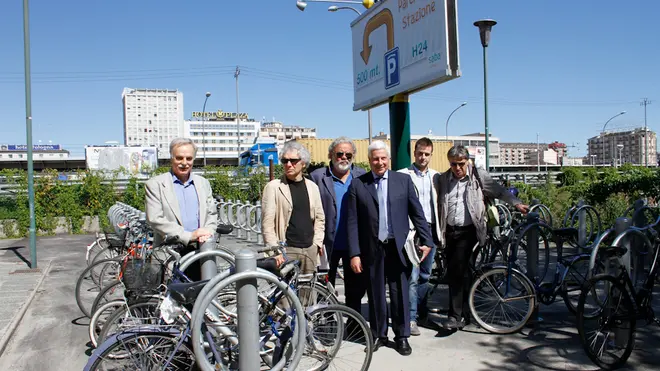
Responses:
[475,200]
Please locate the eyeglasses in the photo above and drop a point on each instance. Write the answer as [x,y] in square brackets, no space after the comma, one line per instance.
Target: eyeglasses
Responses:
[293,161]
[457,164]
[348,155]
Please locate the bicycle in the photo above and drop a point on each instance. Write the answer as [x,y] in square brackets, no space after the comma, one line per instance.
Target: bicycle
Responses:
[607,323]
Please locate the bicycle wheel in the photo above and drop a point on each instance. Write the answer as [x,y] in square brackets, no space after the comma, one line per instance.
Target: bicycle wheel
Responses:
[141,350]
[577,274]
[100,317]
[139,313]
[313,293]
[607,332]
[93,249]
[502,300]
[88,288]
[113,291]
[338,338]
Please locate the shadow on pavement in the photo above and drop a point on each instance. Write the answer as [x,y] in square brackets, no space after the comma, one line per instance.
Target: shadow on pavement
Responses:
[15,250]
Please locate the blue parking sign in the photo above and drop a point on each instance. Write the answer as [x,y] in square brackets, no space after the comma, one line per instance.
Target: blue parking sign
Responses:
[392,68]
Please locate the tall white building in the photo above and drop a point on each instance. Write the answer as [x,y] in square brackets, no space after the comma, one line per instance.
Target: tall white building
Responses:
[152,118]
[215,133]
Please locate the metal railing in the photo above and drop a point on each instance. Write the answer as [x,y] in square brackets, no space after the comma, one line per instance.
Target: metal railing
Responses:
[245,217]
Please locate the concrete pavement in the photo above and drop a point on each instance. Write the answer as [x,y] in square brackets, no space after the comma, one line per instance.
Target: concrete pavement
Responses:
[52,334]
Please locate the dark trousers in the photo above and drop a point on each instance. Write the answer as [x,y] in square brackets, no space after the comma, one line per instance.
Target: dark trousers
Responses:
[194,271]
[386,268]
[354,285]
[459,242]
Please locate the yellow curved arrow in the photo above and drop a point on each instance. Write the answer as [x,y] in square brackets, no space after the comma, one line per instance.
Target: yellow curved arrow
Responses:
[384,17]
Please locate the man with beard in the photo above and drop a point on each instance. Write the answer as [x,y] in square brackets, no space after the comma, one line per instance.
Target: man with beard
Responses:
[181,204]
[333,182]
[292,211]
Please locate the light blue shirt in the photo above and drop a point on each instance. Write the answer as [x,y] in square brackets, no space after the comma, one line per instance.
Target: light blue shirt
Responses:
[424,185]
[384,185]
[186,194]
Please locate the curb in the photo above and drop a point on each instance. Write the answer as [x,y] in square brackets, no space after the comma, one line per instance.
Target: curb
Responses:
[19,316]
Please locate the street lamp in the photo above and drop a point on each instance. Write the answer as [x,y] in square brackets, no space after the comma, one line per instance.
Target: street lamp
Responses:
[302,4]
[335,8]
[208,94]
[447,123]
[620,147]
[485,26]
[603,134]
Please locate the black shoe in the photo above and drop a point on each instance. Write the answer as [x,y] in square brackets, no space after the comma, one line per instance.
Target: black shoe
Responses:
[403,347]
[453,324]
[380,342]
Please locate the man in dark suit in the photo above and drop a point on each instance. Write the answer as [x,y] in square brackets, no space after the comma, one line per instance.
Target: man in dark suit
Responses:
[379,206]
[333,182]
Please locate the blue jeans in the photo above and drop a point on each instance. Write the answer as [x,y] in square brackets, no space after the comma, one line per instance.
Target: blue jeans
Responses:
[419,279]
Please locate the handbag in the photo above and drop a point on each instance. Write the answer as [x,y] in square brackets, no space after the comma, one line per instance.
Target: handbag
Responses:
[492,214]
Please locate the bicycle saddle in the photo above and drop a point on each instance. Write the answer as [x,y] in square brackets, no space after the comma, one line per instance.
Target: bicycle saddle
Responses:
[565,233]
[224,229]
[186,293]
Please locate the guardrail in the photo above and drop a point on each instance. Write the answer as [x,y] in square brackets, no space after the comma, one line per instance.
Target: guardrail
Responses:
[244,217]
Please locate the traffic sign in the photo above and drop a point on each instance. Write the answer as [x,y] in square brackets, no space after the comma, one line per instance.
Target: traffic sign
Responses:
[403,46]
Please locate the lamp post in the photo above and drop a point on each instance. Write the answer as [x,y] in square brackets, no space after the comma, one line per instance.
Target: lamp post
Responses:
[28,129]
[603,134]
[450,115]
[485,26]
[335,8]
[302,4]
[208,94]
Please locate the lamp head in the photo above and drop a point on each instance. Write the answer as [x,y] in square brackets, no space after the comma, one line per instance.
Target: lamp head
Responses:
[464,103]
[301,5]
[333,8]
[208,94]
[485,26]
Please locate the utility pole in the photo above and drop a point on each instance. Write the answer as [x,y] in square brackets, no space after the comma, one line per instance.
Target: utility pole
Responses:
[538,154]
[646,102]
[238,122]
[32,232]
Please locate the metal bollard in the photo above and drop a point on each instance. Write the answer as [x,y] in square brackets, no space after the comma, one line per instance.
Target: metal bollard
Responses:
[248,209]
[621,335]
[533,258]
[248,320]
[637,260]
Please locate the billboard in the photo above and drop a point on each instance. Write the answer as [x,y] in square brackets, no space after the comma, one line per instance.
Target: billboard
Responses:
[35,147]
[478,155]
[135,160]
[403,47]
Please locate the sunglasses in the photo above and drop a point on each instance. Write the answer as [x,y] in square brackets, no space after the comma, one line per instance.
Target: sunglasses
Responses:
[457,164]
[339,155]
[293,161]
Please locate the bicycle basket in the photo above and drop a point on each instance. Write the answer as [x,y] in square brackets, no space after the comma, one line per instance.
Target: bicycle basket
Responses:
[142,275]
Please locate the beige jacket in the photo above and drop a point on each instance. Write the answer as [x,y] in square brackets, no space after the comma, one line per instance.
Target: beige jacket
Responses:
[162,208]
[276,208]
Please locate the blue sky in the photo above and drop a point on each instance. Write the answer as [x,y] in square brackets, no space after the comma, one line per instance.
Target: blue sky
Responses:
[555,69]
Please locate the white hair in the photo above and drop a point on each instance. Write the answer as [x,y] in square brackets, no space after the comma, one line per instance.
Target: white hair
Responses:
[178,142]
[377,145]
[338,141]
[293,146]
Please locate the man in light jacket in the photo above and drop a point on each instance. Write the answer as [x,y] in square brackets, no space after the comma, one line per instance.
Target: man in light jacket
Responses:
[462,219]
[292,211]
[179,203]
[422,177]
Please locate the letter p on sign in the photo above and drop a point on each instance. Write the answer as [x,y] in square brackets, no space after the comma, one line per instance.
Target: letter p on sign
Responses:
[392,68]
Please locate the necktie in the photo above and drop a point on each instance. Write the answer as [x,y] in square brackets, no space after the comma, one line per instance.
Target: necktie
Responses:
[382,211]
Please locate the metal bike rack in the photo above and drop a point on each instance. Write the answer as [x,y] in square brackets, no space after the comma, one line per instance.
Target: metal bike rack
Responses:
[245,217]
